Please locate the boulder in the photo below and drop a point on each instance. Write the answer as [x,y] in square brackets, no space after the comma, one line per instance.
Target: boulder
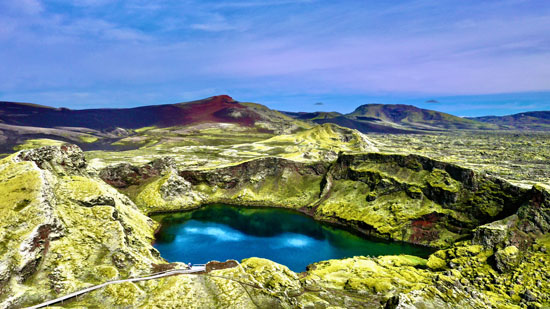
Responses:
[507,259]
[490,235]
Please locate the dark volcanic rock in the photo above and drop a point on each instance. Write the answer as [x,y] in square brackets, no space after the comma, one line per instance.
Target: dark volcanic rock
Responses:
[97,201]
[124,175]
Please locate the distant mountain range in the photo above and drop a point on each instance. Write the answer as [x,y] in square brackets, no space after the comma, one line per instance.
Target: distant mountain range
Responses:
[399,118]
[21,121]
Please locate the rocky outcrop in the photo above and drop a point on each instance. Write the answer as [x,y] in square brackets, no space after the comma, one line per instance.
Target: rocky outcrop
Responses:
[506,277]
[65,160]
[124,175]
[262,182]
[253,171]
[507,258]
[62,229]
[173,187]
[166,193]
[439,200]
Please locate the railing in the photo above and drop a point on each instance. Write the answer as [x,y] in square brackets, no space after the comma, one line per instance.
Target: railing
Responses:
[194,269]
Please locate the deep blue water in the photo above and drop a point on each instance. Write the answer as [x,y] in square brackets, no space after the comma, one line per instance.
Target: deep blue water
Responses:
[221,232]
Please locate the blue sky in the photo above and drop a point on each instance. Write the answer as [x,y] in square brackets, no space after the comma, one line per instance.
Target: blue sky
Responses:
[472,57]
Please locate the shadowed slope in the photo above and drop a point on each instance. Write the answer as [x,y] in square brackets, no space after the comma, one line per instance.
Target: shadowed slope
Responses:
[539,120]
[313,116]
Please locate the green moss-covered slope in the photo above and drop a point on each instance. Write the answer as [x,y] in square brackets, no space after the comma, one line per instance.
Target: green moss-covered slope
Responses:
[63,229]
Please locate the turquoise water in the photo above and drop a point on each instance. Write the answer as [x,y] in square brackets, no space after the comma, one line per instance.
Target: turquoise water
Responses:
[221,232]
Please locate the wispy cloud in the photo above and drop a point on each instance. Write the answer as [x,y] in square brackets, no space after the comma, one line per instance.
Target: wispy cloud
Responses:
[217,23]
[291,47]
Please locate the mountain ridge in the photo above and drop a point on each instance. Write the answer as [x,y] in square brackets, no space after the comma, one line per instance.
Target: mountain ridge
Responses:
[396,118]
[366,118]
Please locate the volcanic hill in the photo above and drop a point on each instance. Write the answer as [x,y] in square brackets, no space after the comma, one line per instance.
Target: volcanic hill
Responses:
[220,108]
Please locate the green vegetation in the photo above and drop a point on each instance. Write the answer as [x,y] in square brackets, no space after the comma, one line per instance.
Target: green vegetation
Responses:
[214,145]
[37,143]
[71,229]
[88,139]
[520,157]
[144,129]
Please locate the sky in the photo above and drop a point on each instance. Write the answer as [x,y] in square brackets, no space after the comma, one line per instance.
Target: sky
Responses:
[468,58]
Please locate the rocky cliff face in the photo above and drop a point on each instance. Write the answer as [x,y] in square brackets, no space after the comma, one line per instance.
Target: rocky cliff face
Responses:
[124,175]
[401,197]
[416,199]
[521,229]
[64,229]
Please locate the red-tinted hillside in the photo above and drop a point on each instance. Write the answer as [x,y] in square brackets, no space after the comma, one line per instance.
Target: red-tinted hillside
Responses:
[214,109]
[220,108]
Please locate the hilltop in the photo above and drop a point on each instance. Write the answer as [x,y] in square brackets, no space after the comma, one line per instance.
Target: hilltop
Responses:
[314,115]
[413,117]
[395,118]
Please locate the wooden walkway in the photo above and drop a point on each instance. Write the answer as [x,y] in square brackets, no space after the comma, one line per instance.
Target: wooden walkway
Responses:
[194,269]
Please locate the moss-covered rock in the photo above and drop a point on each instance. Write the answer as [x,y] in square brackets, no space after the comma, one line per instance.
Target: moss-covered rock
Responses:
[124,175]
[507,258]
[166,193]
[60,160]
